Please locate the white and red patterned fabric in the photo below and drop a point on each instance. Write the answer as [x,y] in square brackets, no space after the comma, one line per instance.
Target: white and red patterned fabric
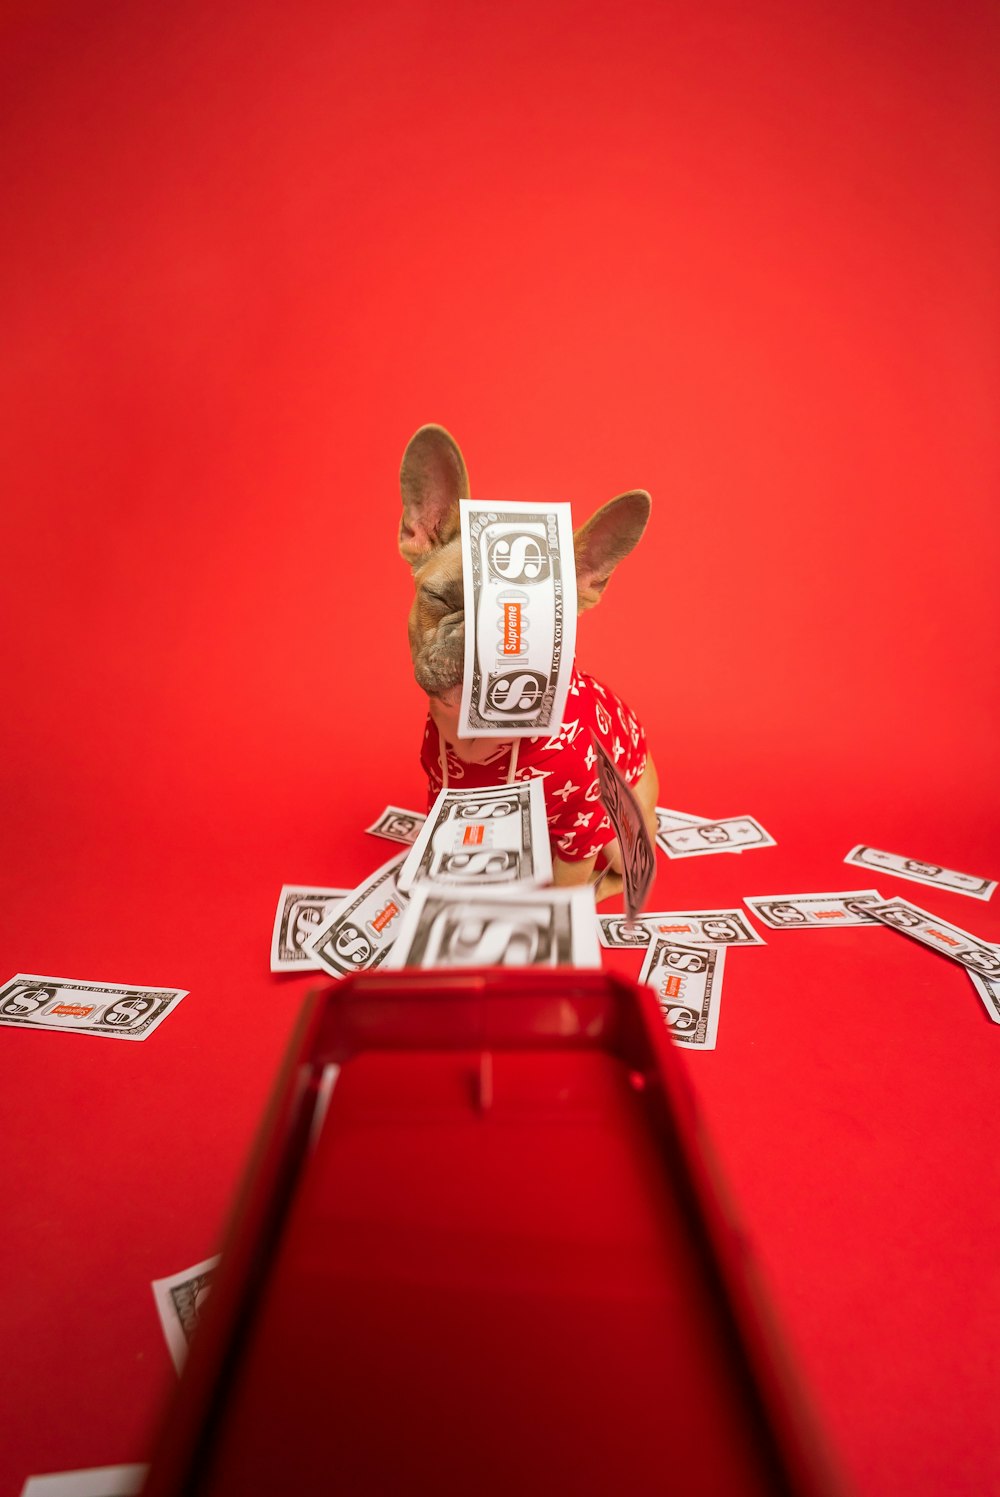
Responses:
[578,825]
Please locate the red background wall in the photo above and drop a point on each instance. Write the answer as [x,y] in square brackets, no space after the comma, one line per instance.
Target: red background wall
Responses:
[745,257]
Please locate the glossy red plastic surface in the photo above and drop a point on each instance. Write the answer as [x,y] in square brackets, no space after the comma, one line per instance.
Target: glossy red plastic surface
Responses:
[496,1263]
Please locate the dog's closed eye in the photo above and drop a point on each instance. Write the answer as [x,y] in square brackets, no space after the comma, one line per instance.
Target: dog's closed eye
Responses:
[450,601]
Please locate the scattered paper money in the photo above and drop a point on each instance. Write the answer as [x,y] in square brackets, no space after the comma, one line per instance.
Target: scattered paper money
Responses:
[519,578]
[100,1008]
[687,981]
[693,927]
[498,835]
[950,940]
[96,1481]
[301,911]
[733,834]
[506,927]
[358,934]
[668,820]
[814,911]
[625,815]
[398,825]
[988,989]
[921,873]
[179,1300]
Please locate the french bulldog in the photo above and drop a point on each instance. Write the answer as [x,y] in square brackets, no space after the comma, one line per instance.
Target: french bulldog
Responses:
[433,482]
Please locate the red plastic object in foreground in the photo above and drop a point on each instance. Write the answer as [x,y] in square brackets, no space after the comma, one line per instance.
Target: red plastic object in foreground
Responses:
[481,1250]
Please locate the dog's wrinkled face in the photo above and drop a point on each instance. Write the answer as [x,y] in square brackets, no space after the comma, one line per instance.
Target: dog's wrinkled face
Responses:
[437,623]
[433,481]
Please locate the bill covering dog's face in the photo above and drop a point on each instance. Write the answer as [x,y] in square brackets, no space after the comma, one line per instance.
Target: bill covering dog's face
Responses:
[433,479]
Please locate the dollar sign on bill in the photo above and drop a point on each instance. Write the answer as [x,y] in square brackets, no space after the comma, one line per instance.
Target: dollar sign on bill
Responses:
[300,913]
[920,872]
[940,935]
[363,925]
[519,580]
[490,927]
[98,1008]
[494,835]
[127,1012]
[688,985]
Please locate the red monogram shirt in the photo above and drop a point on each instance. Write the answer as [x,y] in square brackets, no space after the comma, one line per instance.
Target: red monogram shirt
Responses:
[578,825]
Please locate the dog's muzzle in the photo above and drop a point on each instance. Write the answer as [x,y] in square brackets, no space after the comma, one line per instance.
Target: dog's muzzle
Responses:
[439,667]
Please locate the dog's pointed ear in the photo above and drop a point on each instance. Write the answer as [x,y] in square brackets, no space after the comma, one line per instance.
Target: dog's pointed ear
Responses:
[432,479]
[605,540]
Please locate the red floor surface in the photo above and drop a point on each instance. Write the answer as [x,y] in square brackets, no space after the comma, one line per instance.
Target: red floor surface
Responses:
[745,257]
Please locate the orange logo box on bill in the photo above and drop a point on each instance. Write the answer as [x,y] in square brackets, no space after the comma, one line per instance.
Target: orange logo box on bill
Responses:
[512,628]
[384,917]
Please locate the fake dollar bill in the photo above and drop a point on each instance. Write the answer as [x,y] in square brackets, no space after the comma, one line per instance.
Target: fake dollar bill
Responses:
[988,989]
[301,911]
[625,815]
[179,1300]
[519,578]
[940,935]
[359,931]
[497,835]
[921,873]
[687,981]
[98,1008]
[668,820]
[734,834]
[814,911]
[398,825]
[507,927]
[693,927]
